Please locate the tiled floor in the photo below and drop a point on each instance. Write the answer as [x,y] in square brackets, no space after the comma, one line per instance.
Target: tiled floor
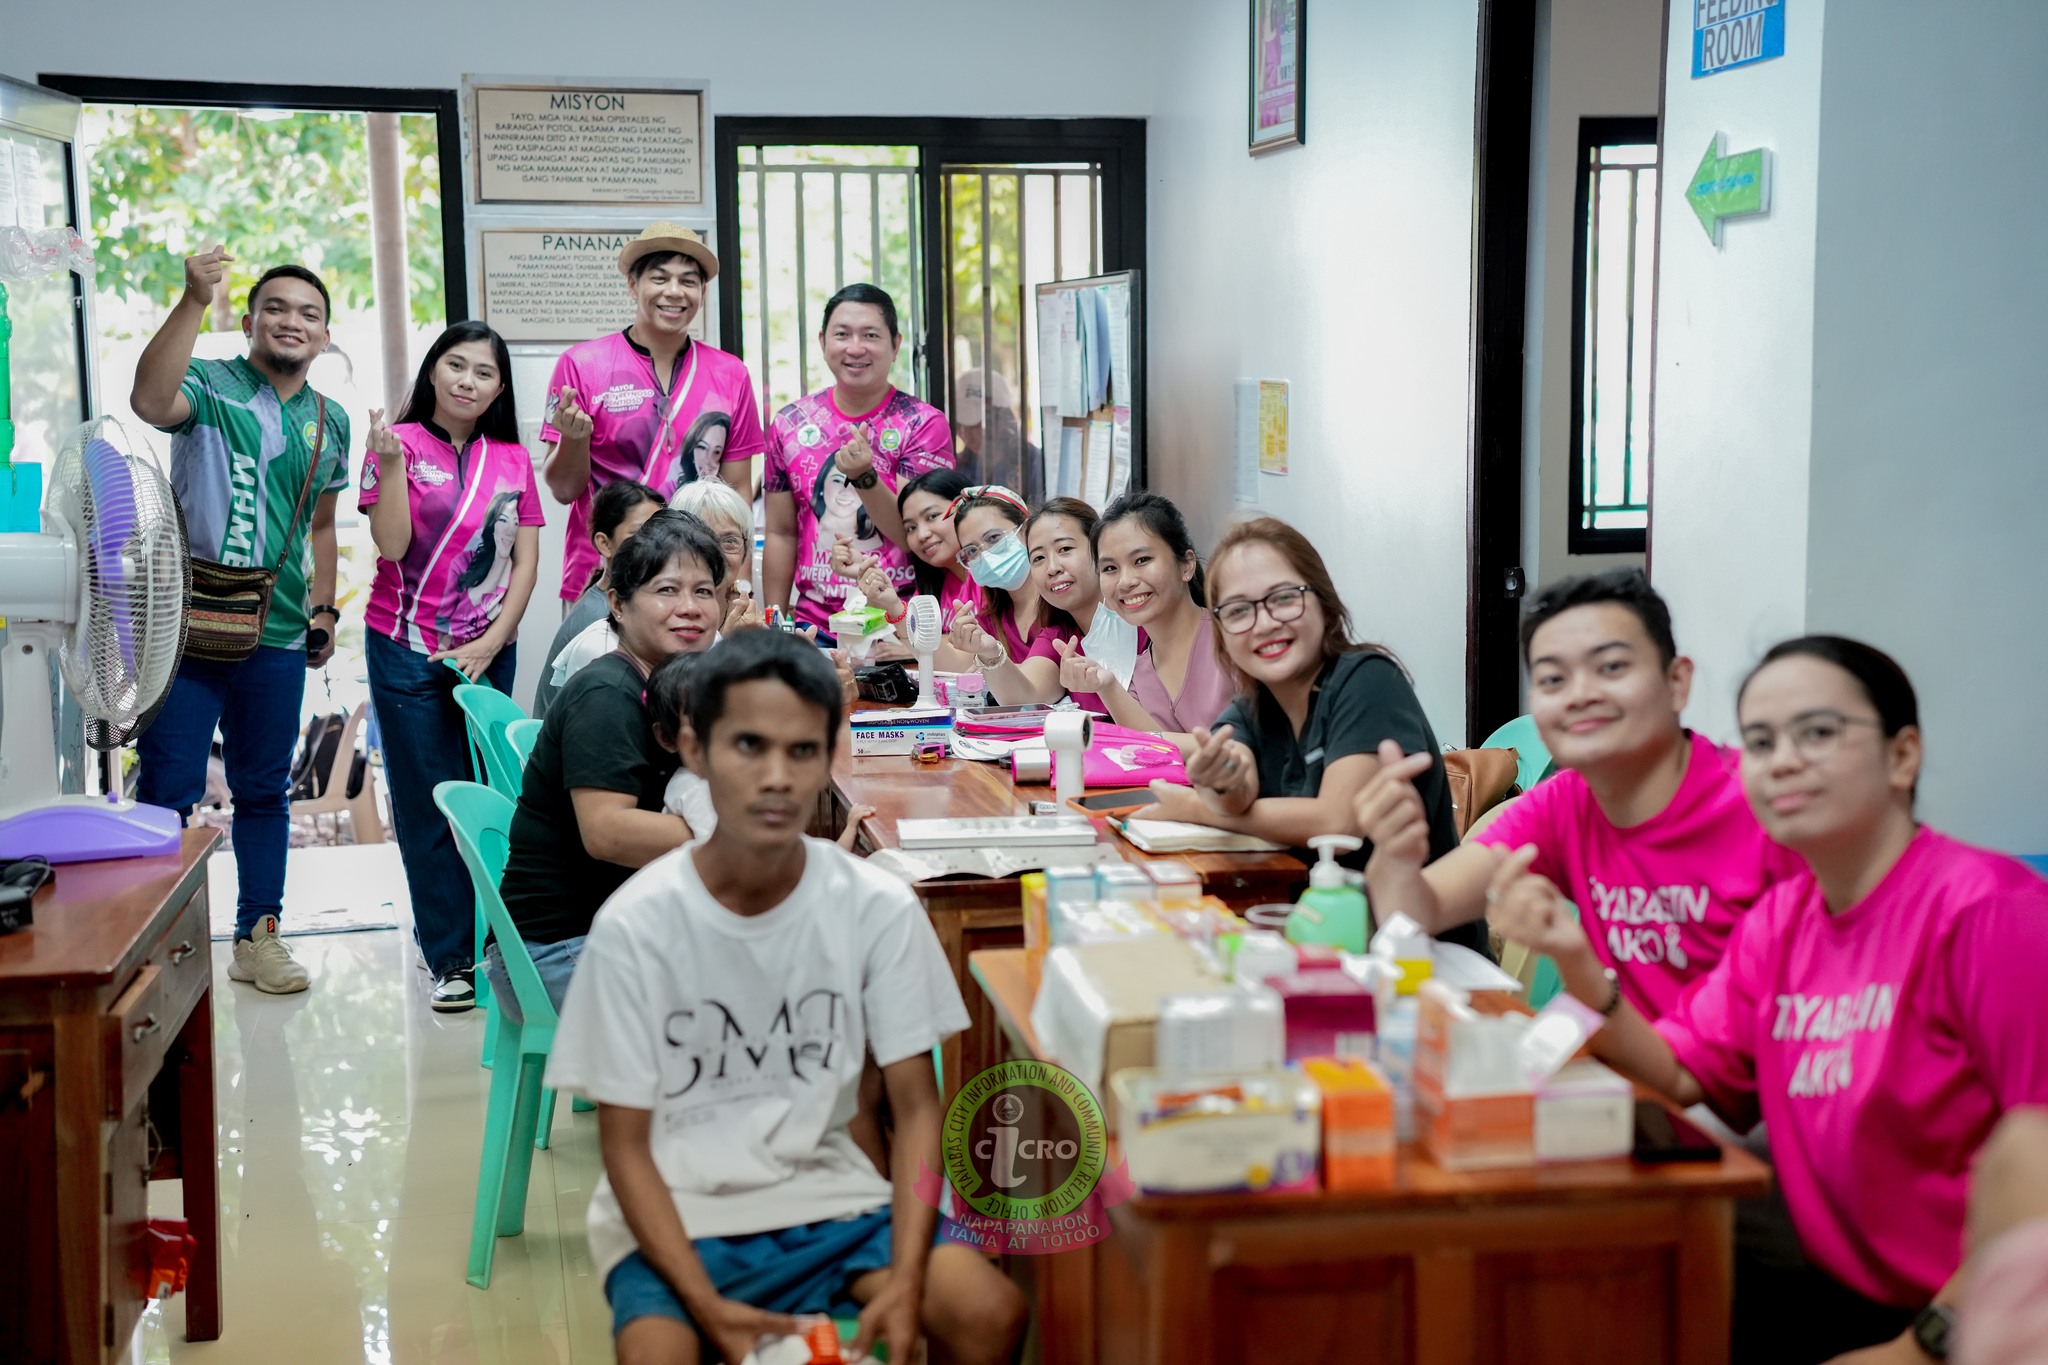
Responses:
[350,1121]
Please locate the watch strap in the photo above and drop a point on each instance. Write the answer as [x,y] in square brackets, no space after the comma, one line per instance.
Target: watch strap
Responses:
[1934,1330]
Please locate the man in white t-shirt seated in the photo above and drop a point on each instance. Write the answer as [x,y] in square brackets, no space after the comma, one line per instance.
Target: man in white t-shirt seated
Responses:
[726,999]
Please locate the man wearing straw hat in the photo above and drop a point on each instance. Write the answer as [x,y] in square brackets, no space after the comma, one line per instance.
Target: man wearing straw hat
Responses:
[650,402]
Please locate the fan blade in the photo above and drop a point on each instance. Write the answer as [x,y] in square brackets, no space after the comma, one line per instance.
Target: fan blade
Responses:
[109,528]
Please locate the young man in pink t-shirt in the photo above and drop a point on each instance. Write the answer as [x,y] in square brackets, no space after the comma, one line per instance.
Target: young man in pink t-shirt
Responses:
[648,403]
[1879,1011]
[836,458]
[1645,829]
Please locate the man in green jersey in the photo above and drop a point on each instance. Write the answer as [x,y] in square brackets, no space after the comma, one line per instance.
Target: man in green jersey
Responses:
[244,434]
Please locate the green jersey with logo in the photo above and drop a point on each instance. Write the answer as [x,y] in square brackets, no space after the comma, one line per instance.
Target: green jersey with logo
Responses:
[237,465]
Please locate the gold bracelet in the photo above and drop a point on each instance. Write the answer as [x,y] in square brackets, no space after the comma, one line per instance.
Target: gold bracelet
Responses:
[1002,657]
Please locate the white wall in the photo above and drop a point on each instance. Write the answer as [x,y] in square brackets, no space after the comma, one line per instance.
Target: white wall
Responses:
[1735,365]
[1929,468]
[905,57]
[1594,59]
[1344,267]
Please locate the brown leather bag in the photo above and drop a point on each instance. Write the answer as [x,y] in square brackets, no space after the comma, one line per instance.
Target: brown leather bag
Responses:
[1480,779]
[230,603]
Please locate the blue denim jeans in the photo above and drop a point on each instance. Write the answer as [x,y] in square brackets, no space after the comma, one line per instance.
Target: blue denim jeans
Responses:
[256,704]
[556,963]
[426,743]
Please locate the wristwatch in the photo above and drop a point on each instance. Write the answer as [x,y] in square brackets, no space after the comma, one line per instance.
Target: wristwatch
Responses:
[1613,994]
[1934,1330]
[329,608]
[864,481]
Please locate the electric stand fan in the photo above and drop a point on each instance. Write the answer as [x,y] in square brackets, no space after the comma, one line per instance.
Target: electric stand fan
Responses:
[926,629]
[104,587]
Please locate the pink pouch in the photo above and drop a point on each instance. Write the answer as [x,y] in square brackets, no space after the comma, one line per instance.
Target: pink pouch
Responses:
[1121,757]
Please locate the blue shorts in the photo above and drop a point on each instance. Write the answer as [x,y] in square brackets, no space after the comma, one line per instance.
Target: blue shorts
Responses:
[804,1269]
[556,963]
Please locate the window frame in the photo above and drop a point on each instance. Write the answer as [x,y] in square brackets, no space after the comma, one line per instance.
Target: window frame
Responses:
[1600,132]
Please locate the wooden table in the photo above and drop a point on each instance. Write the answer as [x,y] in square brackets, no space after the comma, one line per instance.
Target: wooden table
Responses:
[1604,1261]
[106,1051]
[972,914]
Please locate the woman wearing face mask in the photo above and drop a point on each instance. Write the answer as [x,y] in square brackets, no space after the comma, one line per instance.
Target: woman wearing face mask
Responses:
[1152,579]
[619,509]
[1062,566]
[1286,759]
[1879,1011]
[455,513]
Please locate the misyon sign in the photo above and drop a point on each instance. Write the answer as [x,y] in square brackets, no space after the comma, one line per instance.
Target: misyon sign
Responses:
[1731,33]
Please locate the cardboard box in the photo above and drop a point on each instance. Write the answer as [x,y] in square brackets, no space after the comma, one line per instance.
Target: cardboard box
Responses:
[1474,1108]
[1476,1132]
[1586,1112]
[1358,1123]
[1257,1132]
[881,733]
[1097,1009]
[1328,1015]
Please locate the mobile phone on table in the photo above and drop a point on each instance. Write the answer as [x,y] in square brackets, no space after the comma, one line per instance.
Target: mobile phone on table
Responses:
[1664,1136]
[1121,801]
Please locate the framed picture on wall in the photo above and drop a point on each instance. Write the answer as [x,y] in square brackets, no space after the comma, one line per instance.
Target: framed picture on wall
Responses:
[1278,87]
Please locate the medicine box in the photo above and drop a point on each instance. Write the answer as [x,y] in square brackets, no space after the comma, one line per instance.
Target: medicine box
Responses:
[1474,1108]
[1257,1132]
[1097,1010]
[1586,1112]
[881,733]
[1328,1015]
[1358,1123]
[1220,1031]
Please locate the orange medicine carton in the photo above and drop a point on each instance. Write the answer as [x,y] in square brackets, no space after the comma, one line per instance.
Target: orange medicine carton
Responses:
[1036,927]
[1358,1123]
[1474,1107]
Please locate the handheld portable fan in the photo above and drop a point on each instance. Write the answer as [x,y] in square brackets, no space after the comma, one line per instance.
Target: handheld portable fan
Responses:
[104,586]
[926,629]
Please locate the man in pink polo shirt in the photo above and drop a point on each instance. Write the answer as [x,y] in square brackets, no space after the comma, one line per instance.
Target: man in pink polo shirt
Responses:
[836,458]
[649,403]
[1646,829]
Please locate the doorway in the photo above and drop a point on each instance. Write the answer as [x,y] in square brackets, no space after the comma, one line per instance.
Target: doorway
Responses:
[959,219]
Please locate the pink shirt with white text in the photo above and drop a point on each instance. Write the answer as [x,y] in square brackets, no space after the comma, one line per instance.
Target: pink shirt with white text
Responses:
[1881,1045]
[1658,899]
[706,418]
[909,438]
[466,514]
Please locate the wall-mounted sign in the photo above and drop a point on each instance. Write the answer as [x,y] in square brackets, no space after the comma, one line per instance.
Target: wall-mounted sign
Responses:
[1729,186]
[559,285]
[1731,33]
[571,145]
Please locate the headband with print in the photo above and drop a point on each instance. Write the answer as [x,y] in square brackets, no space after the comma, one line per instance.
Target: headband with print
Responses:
[995,492]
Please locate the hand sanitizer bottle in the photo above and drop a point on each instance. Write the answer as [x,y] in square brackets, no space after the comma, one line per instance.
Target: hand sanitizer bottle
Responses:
[1333,909]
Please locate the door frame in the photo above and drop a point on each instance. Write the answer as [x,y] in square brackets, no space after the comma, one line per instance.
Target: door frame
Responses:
[1117,144]
[445,105]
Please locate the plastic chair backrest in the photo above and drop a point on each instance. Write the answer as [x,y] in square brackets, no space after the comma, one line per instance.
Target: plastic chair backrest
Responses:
[481,820]
[521,734]
[1532,757]
[489,711]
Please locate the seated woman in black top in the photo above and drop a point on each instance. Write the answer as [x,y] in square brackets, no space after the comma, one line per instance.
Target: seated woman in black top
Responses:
[590,808]
[1285,758]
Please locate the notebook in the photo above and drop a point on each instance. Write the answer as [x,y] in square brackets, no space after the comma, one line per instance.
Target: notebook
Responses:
[1176,836]
[997,831]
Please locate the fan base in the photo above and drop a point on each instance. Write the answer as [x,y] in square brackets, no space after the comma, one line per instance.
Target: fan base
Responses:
[80,829]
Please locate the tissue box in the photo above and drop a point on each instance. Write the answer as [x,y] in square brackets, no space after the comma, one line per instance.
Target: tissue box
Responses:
[1098,1006]
[880,733]
[1328,1015]
[1476,1132]
[1227,1030]
[1358,1123]
[1174,883]
[1258,1132]
[1078,922]
[1474,1107]
[1585,1112]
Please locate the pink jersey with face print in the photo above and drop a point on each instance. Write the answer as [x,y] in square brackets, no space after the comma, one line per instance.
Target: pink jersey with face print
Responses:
[705,419]
[909,438]
[467,509]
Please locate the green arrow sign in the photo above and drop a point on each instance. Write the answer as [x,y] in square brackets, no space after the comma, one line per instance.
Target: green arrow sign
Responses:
[1729,186]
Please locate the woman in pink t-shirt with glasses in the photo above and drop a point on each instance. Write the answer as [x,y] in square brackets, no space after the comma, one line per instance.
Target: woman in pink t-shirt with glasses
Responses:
[1879,1011]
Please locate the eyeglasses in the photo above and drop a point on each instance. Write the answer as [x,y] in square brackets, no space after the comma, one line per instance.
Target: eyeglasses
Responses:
[1815,735]
[732,544]
[1282,604]
[975,549]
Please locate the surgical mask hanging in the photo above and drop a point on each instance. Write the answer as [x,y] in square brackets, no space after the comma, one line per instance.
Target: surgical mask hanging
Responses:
[1005,564]
[1112,642]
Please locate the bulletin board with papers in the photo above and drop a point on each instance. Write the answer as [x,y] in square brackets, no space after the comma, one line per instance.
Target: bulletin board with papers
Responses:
[1091,387]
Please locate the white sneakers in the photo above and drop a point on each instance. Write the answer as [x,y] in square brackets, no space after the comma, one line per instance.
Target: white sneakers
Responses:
[265,962]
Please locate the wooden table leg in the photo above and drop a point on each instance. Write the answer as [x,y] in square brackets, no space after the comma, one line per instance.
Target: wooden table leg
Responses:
[81,1096]
[1444,1305]
[199,1166]
[1178,1326]
[1705,1288]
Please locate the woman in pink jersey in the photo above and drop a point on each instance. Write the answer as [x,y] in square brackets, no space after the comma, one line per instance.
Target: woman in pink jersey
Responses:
[926,504]
[1879,1011]
[457,556]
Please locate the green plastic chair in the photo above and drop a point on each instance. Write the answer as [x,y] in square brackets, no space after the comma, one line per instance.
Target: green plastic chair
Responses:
[520,1108]
[521,734]
[489,712]
[1532,757]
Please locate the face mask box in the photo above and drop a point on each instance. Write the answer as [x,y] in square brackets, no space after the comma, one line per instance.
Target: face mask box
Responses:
[1358,1123]
[1474,1106]
[879,734]
[1257,1133]
[1097,1010]
[1586,1112]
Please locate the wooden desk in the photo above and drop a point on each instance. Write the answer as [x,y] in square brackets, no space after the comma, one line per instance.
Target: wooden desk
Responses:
[1592,1261]
[106,1050]
[973,914]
